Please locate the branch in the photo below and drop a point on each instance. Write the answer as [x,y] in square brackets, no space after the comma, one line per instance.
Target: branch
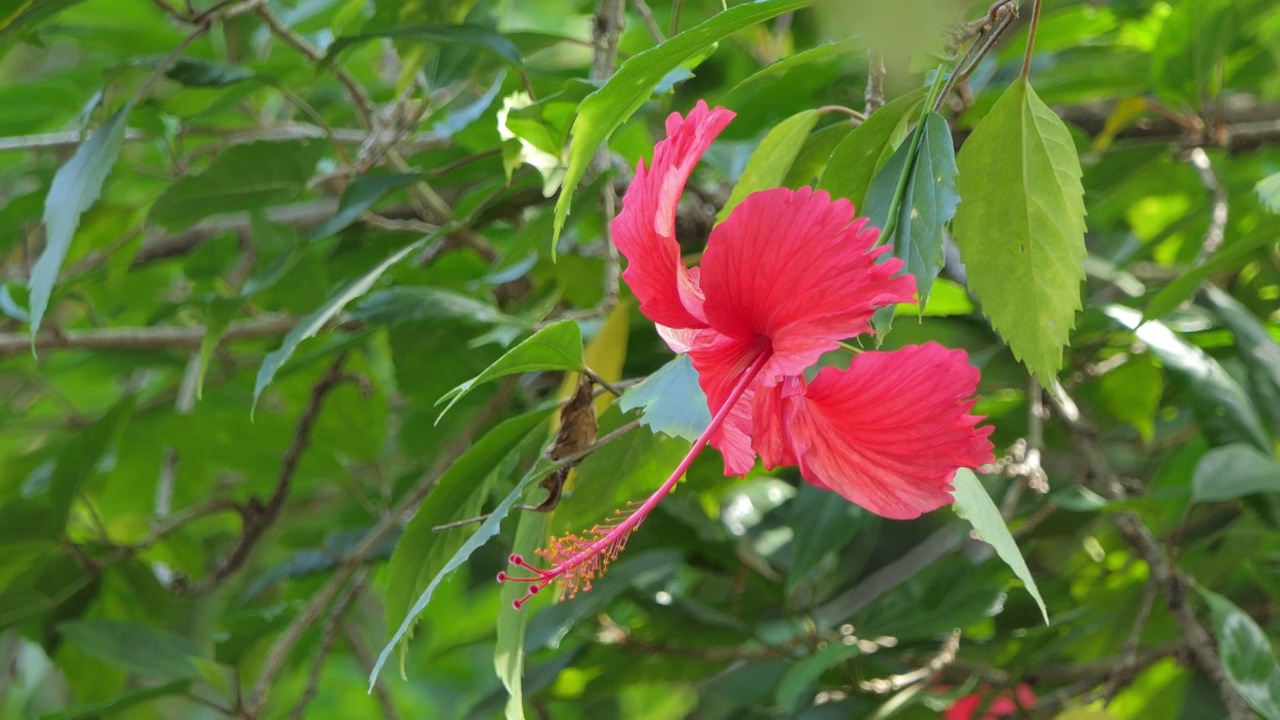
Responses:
[610,17]
[1176,585]
[875,81]
[258,516]
[1217,231]
[331,628]
[284,645]
[134,339]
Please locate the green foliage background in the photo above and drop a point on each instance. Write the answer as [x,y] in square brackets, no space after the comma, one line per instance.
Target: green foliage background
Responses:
[249,249]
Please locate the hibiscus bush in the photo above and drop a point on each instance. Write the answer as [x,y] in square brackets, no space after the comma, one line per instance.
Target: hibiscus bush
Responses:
[623,359]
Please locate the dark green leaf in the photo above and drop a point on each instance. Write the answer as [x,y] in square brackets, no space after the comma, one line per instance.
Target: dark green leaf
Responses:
[866,150]
[796,685]
[469,35]
[975,505]
[359,196]
[607,108]
[242,177]
[139,649]
[312,323]
[218,315]
[555,347]
[80,459]
[417,304]
[422,551]
[75,188]
[924,197]
[124,701]
[1020,227]
[671,399]
[1232,472]
[1246,655]
[509,649]
[824,522]
[811,161]
[487,530]
[194,72]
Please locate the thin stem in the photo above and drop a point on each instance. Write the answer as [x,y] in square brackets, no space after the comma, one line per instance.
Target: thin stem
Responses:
[611,540]
[1031,39]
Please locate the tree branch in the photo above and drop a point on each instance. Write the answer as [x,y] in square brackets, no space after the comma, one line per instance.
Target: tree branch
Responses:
[1176,586]
[330,634]
[257,515]
[134,339]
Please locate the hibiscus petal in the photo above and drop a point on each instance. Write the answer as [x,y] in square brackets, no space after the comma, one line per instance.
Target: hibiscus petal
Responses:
[644,230]
[891,431]
[796,267]
[720,361]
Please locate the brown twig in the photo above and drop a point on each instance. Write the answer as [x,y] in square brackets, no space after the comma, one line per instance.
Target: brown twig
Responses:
[651,23]
[1031,39]
[327,638]
[1217,230]
[875,81]
[1169,580]
[256,701]
[257,516]
[359,96]
[149,338]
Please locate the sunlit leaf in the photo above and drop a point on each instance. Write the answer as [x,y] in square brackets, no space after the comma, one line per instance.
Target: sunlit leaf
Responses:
[671,399]
[1234,471]
[74,189]
[866,150]
[1020,226]
[975,505]
[555,347]
[1246,654]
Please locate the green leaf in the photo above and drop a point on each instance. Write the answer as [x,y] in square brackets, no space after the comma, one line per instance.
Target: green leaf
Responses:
[1268,190]
[926,197]
[797,683]
[312,323]
[1246,655]
[218,315]
[242,177]
[550,625]
[79,460]
[769,164]
[124,701]
[866,150]
[1234,471]
[458,494]
[359,196]
[139,649]
[18,16]
[509,650]
[417,304]
[604,110]
[671,401]
[195,72]
[812,159]
[975,505]
[1219,403]
[824,522]
[1132,393]
[475,36]
[764,79]
[1020,228]
[627,469]
[1186,62]
[487,530]
[74,189]
[1258,350]
[1181,288]
[555,347]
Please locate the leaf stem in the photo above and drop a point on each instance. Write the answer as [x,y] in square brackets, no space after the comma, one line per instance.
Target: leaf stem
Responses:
[1031,39]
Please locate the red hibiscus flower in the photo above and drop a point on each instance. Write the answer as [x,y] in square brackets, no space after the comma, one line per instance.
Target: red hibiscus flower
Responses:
[783,280]
[1006,705]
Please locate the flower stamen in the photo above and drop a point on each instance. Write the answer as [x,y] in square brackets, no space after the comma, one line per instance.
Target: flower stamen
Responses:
[576,561]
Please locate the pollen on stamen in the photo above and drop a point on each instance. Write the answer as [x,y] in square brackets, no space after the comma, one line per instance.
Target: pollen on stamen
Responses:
[576,560]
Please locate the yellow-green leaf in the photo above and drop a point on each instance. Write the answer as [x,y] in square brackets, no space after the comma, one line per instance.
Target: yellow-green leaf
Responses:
[768,165]
[1020,226]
